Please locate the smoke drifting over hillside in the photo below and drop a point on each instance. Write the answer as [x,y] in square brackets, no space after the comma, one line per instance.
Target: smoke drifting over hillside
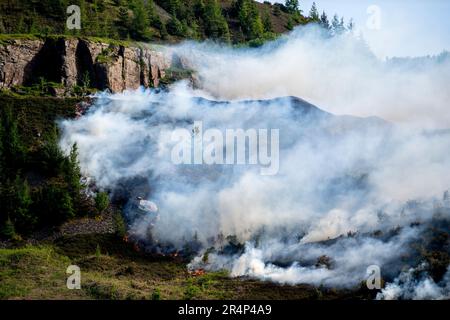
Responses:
[339,74]
[350,192]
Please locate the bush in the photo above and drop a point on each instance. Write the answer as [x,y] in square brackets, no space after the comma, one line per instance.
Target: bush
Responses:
[54,204]
[191,292]
[156,295]
[8,231]
[101,201]
[119,223]
[98,252]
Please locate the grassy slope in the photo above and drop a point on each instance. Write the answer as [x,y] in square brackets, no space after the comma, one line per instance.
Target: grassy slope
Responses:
[120,272]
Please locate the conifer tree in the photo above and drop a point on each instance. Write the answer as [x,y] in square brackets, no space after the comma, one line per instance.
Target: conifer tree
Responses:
[249,19]
[216,26]
[140,22]
[336,25]
[267,23]
[13,150]
[292,6]
[324,22]
[350,25]
[314,13]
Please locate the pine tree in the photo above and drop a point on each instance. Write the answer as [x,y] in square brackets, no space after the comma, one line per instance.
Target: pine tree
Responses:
[8,230]
[194,30]
[341,25]
[249,19]
[175,27]
[290,24]
[101,201]
[314,13]
[153,16]
[2,160]
[140,22]
[199,9]
[336,25]
[123,22]
[73,175]
[216,26]
[13,150]
[55,205]
[23,218]
[174,7]
[324,21]
[52,158]
[257,27]
[350,25]
[163,31]
[292,6]
[267,23]
[16,202]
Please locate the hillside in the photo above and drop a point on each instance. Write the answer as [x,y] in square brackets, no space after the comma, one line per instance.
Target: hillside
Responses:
[159,20]
[41,236]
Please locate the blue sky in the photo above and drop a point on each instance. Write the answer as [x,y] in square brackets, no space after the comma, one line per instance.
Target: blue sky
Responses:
[407,27]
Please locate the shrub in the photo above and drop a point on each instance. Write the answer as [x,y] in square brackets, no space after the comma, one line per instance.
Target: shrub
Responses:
[156,295]
[191,292]
[101,201]
[8,231]
[120,225]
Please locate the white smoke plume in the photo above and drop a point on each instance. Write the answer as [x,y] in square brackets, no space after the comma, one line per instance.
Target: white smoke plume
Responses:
[350,192]
[339,74]
[407,287]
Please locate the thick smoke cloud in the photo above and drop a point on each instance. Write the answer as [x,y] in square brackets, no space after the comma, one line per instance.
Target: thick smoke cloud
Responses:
[350,192]
[340,74]
[408,287]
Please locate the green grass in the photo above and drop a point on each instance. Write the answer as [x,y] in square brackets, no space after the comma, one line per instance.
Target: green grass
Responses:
[10,38]
[33,272]
[121,272]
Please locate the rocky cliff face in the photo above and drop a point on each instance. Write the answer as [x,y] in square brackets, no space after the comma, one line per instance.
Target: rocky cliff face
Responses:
[72,62]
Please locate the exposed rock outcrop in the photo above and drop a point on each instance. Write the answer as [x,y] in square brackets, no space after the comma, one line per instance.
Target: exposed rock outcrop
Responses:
[72,61]
[16,59]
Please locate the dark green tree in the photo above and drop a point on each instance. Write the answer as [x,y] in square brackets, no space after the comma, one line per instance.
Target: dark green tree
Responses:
[267,23]
[350,25]
[337,25]
[72,175]
[54,204]
[140,23]
[324,22]
[292,6]
[342,25]
[123,22]
[101,201]
[13,150]
[249,19]
[314,13]
[199,9]
[216,27]
[23,218]
[153,16]
[52,158]
[16,203]
[175,27]
[290,24]
[7,230]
